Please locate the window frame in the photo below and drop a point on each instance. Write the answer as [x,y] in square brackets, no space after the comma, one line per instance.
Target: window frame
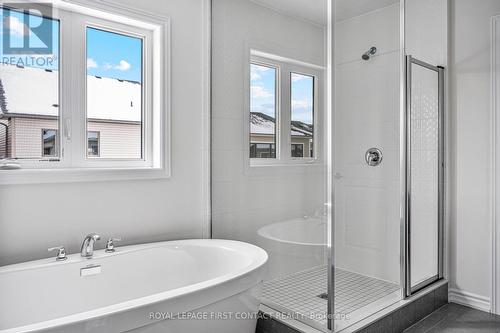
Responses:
[314,112]
[286,67]
[277,107]
[146,117]
[73,164]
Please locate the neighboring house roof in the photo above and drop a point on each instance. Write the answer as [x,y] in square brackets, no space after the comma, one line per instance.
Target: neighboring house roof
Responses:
[33,91]
[263,124]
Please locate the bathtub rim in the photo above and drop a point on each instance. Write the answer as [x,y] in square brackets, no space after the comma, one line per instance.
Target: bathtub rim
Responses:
[264,232]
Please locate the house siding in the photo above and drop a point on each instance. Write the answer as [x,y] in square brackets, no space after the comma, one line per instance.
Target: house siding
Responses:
[27,136]
[116,140]
[305,140]
[3,138]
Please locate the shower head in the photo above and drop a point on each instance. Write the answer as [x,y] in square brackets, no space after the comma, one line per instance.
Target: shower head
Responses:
[369,53]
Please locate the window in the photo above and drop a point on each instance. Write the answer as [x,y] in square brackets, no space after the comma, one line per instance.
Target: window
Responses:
[283,97]
[114,92]
[30,89]
[263,123]
[297,150]
[262,150]
[104,109]
[93,144]
[49,143]
[302,113]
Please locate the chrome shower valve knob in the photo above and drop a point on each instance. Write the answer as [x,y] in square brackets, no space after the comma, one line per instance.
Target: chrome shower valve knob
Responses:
[373,157]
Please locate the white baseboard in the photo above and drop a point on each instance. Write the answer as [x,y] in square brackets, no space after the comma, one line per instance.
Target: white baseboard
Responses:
[469,299]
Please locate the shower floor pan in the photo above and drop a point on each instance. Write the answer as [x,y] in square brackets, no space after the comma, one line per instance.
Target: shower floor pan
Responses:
[302,296]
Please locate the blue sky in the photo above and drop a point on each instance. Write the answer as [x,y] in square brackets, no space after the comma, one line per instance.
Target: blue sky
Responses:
[108,54]
[263,82]
[114,55]
[302,92]
[262,97]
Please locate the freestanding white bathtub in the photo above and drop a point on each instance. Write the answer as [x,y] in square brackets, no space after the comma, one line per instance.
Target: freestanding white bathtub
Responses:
[169,287]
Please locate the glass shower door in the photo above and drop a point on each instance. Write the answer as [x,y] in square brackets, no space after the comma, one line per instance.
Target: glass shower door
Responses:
[424,220]
[269,147]
[366,158]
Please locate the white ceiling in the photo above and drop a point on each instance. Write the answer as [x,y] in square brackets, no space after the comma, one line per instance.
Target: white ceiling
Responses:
[350,8]
[309,10]
[315,10]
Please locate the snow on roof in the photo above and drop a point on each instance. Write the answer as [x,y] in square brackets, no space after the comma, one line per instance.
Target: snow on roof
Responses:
[263,124]
[33,91]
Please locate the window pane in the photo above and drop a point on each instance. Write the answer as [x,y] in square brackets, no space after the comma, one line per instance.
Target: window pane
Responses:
[302,115]
[29,87]
[262,111]
[49,143]
[114,94]
[93,144]
[297,150]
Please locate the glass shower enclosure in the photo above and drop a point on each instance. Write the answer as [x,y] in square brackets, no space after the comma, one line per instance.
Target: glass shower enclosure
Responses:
[328,151]
[387,173]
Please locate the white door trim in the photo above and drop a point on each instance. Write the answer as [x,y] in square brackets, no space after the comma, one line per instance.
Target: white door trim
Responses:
[495,167]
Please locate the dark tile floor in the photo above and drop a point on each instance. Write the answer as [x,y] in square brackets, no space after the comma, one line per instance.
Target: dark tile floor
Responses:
[454,318]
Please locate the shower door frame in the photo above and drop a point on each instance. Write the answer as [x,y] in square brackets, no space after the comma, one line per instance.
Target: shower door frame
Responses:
[408,290]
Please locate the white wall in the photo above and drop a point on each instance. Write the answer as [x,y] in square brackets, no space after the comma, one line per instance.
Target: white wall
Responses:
[35,217]
[426,28]
[245,199]
[471,139]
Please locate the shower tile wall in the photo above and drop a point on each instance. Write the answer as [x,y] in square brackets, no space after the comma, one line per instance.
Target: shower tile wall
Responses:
[367,115]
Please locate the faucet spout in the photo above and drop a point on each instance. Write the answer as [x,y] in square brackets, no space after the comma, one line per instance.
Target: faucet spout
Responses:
[87,250]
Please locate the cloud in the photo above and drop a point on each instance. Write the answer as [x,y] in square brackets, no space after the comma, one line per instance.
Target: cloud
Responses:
[16,27]
[122,66]
[302,111]
[260,92]
[301,104]
[254,76]
[91,63]
[266,108]
[256,70]
[298,77]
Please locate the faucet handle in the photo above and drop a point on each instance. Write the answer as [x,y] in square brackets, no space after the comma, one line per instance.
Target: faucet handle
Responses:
[61,252]
[110,246]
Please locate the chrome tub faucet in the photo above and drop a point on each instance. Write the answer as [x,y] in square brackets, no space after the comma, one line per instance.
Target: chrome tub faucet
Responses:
[87,250]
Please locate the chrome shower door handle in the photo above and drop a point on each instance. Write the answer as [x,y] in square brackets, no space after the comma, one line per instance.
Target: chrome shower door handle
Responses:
[373,157]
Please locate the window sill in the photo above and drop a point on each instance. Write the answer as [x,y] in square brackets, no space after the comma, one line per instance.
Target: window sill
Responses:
[46,176]
[296,162]
[280,168]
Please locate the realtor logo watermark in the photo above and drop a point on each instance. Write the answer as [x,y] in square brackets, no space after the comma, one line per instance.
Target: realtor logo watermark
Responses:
[27,34]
